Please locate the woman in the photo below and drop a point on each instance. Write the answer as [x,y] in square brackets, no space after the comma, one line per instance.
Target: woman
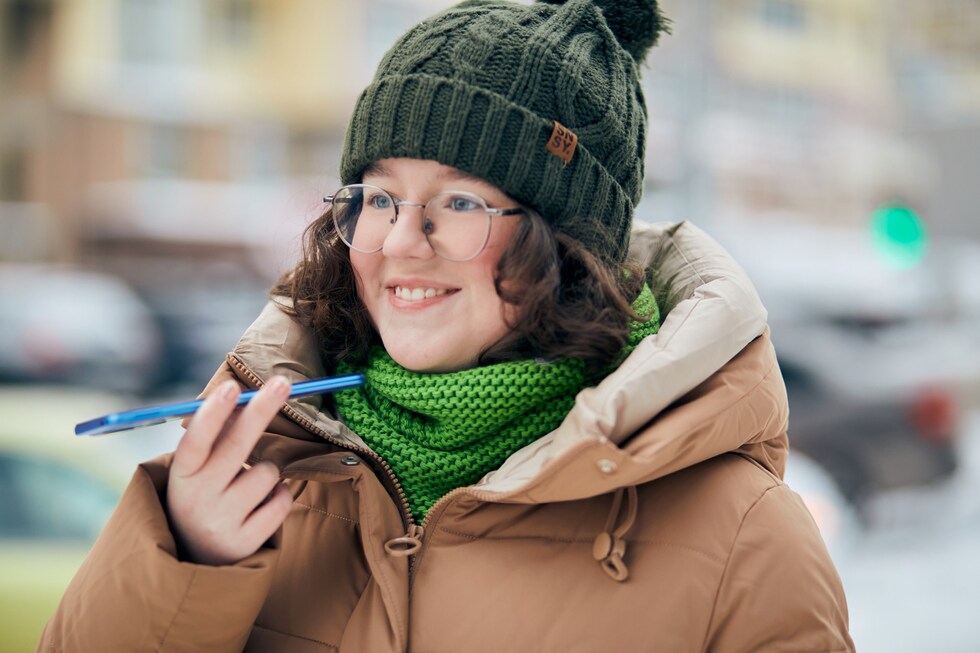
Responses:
[571,438]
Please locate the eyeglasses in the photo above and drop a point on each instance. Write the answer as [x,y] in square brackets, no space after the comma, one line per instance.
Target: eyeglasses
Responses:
[455,223]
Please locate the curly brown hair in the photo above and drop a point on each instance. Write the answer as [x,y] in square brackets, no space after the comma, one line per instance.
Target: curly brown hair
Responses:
[570,303]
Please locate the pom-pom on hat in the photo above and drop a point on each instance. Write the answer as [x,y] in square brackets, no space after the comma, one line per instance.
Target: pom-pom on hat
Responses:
[542,100]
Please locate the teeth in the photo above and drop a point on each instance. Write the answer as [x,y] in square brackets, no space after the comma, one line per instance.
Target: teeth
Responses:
[416,294]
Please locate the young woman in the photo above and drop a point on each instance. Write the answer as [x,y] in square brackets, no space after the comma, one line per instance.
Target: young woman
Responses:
[571,437]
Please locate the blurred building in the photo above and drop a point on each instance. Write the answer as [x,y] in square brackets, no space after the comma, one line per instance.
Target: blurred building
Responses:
[180,146]
[193,119]
[25,228]
[936,53]
[784,108]
[126,106]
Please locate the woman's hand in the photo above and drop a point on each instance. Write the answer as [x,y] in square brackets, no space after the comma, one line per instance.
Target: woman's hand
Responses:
[220,512]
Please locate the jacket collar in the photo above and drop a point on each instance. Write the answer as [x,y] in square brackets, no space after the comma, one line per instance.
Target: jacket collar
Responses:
[707,383]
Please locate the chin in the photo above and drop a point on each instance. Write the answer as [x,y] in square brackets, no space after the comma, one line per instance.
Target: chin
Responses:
[414,362]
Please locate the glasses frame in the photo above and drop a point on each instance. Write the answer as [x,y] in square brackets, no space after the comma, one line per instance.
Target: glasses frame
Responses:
[397,203]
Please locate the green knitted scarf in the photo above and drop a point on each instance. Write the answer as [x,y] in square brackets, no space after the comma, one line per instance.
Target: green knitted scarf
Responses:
[443,431]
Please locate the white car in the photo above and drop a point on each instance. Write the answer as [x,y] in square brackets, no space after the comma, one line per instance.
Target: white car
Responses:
[61,324]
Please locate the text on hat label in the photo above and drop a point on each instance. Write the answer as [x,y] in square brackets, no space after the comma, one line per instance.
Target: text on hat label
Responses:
[562,142]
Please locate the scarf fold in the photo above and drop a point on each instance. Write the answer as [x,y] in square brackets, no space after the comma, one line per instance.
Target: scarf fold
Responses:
[442,431]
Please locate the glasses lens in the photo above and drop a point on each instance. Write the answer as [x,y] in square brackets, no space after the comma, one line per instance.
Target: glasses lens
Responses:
[363,215]
[457,225]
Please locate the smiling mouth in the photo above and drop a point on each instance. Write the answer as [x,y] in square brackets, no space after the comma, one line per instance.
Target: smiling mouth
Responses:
[419,294]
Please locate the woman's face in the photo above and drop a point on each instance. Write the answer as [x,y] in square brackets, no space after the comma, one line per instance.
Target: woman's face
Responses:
[459,313]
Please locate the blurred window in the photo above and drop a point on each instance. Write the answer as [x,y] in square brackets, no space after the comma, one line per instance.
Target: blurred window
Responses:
[784,14]
[159,31]
[770,105]
[23,19]
[47,499]
[791,106]
[166,150]
[950,27]
[260,152]
[235,22]
[13,167]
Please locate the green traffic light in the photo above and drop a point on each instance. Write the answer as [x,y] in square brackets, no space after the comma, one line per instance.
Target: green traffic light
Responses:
[899,234]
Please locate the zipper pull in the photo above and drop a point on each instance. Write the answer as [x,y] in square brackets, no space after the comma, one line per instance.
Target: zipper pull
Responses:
[406,545]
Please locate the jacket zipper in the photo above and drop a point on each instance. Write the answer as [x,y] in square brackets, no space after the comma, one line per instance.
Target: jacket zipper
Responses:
[413,561]
[380,462]
[433,514]
[413,530]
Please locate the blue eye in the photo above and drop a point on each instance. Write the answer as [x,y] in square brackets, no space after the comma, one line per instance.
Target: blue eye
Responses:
[459,203]
[379,201]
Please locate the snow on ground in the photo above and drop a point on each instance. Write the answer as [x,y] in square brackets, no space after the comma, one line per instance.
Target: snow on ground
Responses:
[913,579]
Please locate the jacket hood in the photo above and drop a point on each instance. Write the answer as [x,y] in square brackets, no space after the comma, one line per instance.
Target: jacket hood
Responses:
[707,383]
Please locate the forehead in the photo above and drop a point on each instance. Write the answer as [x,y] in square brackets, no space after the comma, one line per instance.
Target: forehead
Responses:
[421,169]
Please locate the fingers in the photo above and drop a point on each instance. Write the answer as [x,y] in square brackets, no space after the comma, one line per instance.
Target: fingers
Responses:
[233,448]
[194,448]
[251,487]
[263,522]
[220,513]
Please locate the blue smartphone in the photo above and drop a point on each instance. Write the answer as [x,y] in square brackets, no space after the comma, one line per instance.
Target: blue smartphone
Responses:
[132,419]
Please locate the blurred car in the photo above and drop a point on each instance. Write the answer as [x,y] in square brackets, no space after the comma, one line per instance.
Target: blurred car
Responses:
[202,311]
[876,356]
[202,256]
[870,444]
[201,300]
[57,493]
[834,515]
[66,325]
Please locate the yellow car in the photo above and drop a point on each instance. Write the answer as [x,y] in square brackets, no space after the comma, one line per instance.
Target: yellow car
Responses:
[57,492]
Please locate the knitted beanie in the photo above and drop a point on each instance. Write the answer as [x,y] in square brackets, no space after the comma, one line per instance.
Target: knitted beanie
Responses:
[541,100]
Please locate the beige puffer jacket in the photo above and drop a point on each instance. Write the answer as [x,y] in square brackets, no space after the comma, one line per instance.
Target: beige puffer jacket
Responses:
[652,519]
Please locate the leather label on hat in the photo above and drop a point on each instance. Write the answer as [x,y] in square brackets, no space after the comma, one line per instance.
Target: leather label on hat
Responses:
[562,142]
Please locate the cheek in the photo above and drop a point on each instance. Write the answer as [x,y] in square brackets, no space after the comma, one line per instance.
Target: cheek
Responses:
[359,262]
[365,271]
[484,272]
[495,311]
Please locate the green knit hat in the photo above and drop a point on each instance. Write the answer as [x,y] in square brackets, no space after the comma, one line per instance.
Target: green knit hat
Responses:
[541,100]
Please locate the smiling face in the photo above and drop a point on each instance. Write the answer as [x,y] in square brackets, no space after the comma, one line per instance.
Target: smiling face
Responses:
[433,315]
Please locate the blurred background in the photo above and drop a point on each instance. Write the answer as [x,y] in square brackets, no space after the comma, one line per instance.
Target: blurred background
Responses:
[160,158]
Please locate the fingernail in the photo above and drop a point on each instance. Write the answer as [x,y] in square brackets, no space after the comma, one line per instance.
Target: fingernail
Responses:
[278,385]
[228,389]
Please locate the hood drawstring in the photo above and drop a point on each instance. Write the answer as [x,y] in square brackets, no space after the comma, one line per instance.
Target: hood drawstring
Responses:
[609,547]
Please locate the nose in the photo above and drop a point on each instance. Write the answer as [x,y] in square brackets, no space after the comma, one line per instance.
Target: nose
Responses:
[407,238]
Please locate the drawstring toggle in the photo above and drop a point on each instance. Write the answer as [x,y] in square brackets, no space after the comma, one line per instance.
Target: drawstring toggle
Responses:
[406,545]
